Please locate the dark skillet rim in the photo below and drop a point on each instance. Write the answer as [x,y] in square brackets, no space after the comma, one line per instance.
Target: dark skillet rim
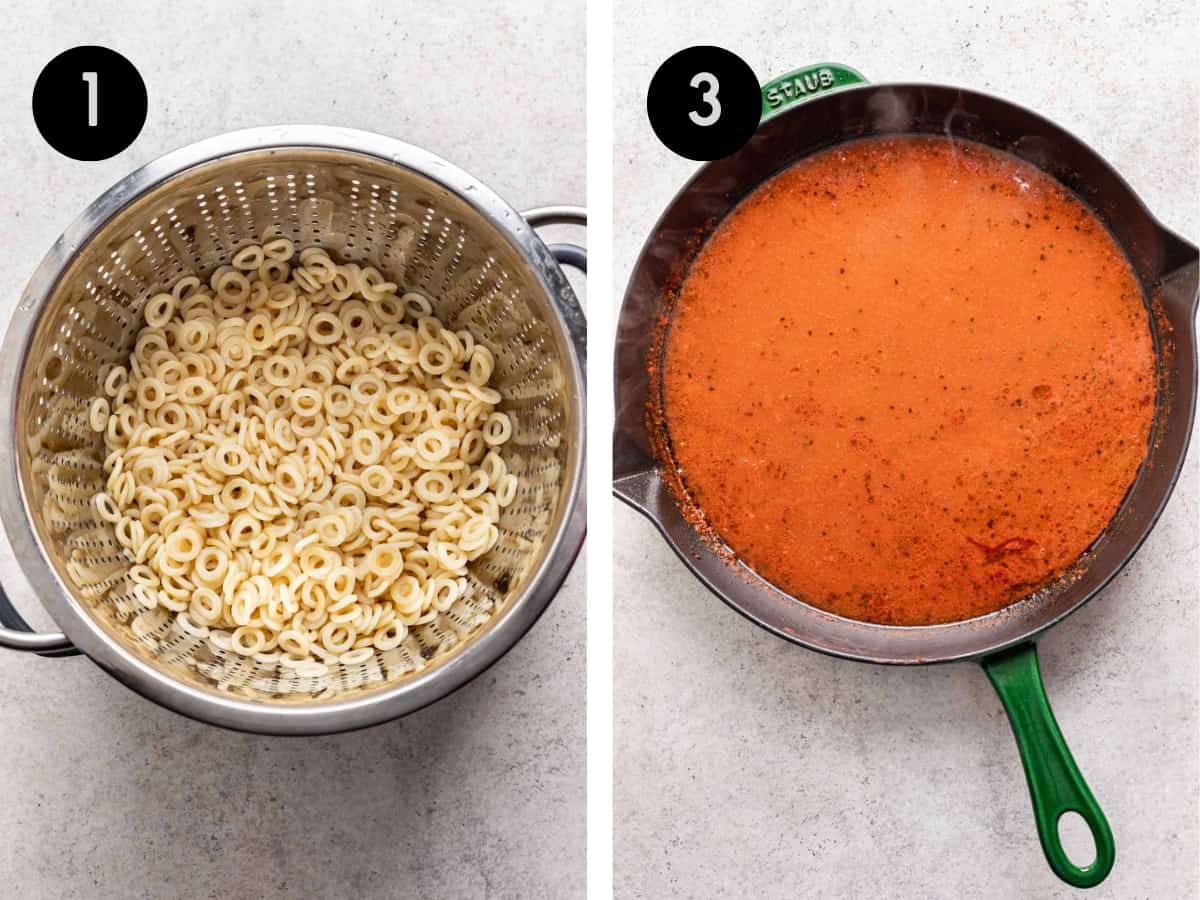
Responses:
[656,483]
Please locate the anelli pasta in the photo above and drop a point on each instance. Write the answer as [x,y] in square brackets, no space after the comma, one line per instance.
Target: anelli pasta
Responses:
[301,458]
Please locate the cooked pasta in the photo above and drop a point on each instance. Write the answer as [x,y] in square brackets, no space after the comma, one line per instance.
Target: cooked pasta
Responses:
[300,457]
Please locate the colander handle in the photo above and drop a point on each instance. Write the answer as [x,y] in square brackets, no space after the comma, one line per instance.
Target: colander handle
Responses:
[567,254]
[17,635]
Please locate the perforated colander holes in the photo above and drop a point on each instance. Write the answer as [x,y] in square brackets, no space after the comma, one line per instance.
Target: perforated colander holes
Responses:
[476,588]
[283,684]
[245,210]
[441,239]
[314,221]
[402,660]
[129,283]
[61,525]
[160,232]
[121,606]
[90,544]
[500,317]
[99,586]
[373,207]
[466,621]
[93,547]
[76,333]
[353,679]
[446,256]
[187,236]
[466,292]
[151,625]
[126,315]
[355,215]
[90,330]
[179,648]
[152,255]
[433,639]
[487,315]
[168,272]
[52,369]
[112,555]
[501,580]
[71,414]
[206,216]
[402,235]
[273,202]
[107,276]
[522,359]
[235,670]
[393,205]
[422,253]
[399,240]
[292,204]
[227,225]
[68,488]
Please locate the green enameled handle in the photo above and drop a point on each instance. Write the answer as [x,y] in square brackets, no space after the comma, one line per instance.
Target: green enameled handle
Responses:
[1055,784]
[804,84]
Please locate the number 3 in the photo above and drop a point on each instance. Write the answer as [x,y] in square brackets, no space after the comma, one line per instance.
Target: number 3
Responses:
[91,78]
[711,86]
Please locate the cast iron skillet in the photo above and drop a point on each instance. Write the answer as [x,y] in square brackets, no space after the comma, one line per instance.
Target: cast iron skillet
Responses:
[839,106]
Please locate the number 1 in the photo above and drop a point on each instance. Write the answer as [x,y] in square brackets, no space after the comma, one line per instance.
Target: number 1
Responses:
[91,79]
[711,86]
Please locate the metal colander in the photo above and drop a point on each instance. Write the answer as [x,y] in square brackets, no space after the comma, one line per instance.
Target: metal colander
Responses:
[365,199]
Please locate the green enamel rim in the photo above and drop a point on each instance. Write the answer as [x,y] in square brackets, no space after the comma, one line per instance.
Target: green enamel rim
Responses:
[803,84]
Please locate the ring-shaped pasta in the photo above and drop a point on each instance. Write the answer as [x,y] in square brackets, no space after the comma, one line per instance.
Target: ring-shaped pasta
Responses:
[115,379]
[248,640]
[248,259]
[279,248]
[377,480]
[497,429]
[366,446]
[416,305]
[324,328]
[337,638]
[159,309]
[306,402]
[206,606]
[476,484]
[506,491]
[435,445]
[434,487]
[298,425]
[435,358]
[185,287]
[272,272]
[98,412]
[232,286]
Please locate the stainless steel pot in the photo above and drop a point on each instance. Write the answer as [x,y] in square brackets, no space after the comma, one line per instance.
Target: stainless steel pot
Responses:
[366,198]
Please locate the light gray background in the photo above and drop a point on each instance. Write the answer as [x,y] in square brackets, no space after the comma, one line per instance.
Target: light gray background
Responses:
[747,767]
[104,795]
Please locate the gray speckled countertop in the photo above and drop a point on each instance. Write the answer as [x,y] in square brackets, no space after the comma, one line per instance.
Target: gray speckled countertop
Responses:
[481,795]
[747,767]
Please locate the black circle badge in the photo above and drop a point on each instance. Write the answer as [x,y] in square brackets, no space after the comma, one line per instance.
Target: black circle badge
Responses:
[704,103]
[89,103]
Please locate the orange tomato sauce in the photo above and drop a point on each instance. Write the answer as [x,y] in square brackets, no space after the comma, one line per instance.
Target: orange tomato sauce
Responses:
[909,380]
